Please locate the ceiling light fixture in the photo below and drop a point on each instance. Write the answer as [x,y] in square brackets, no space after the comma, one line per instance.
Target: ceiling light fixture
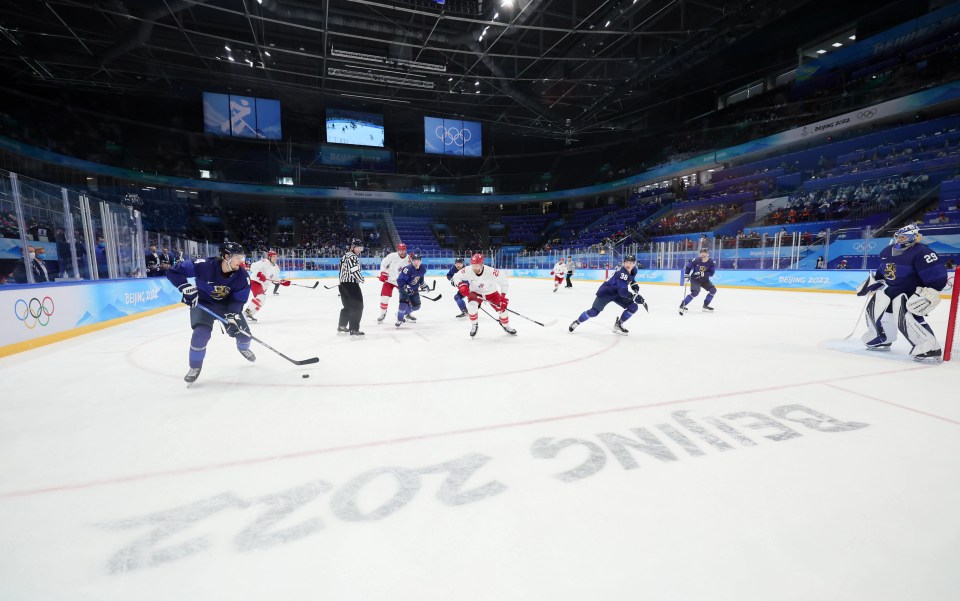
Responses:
[853,37]
[480,39]
[266,52]
[230,58]
[476,83]
[837,44]
[608,24]
[821,51]
[495,15]
[226,47]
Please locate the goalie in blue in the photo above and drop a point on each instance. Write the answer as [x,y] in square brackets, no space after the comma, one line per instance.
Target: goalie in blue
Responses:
[905,288]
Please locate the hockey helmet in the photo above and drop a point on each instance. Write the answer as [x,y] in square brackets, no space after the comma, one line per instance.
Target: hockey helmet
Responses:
[704,251]
[231,248]
[476,259]
[401,248]
[415,256]
[271,253]
[910,232]
[632,258]
[355,243]
[458,260]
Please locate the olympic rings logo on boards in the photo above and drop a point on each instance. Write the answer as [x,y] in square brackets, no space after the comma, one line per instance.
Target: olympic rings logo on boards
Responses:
[34,311]
[453,135]
[867,114]
[859,246]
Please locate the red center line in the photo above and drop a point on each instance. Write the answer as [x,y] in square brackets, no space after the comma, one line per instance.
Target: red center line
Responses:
[435,435]
[879,400]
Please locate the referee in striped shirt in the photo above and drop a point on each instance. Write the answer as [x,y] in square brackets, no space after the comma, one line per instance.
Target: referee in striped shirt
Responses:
[350,293]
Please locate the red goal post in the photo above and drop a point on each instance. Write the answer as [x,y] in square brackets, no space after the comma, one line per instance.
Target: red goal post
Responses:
[951,349]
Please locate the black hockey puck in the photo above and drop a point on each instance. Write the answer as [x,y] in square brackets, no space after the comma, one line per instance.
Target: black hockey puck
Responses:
[305,376]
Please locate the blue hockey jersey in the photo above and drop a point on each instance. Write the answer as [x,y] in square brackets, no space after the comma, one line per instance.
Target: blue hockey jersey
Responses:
[915,267]
[700,270]
[411,276]
[222,292]
[618,285]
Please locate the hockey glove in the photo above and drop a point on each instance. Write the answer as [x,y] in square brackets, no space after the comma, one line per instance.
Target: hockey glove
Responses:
[189,293]
[504,301]
[284,282]
[686,277]
[464,289]
[424,287]
[635,288]
[551,273]
[262,277]
[233,325]
[923,301]
[383,276]
[871,285]
[472,296]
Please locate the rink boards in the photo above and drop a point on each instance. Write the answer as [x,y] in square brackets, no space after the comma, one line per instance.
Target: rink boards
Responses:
[35,315]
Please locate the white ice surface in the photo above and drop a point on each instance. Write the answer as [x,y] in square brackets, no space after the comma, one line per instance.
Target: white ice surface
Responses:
[119,483]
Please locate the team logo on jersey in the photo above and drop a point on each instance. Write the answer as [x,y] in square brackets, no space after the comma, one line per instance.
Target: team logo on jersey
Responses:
[890,271]
[220,292]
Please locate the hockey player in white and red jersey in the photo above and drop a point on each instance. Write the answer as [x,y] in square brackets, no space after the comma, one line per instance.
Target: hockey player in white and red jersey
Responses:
[389,270]
[263,271]
[478,283]
[558,273]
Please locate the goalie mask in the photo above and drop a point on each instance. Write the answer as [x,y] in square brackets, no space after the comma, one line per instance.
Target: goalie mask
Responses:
[906,236]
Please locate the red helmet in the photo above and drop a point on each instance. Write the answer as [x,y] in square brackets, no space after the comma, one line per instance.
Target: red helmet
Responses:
[401,248]
[271,253]
[476,259]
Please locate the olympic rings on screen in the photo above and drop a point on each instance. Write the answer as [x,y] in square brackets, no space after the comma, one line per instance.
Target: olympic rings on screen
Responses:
[453,135]
[34,311]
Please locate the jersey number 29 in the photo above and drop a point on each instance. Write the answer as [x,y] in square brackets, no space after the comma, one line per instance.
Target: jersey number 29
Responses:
[931,258]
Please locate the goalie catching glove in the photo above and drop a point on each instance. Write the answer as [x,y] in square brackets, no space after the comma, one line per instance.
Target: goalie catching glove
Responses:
[923,301]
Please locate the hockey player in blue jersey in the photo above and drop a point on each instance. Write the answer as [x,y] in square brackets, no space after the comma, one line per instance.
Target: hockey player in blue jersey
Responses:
[699,271]
[620,289]
[905,288]
[457,266]
[409,282]
[221,285]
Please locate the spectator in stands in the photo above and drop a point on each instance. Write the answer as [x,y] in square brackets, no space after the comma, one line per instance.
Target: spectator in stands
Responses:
[103,272]
[950,265]
[820,263]
[153,262]
[40,273]
[842,265]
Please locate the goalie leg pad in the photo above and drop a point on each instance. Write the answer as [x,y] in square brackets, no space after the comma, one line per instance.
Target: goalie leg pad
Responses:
[876,332]
[916,329]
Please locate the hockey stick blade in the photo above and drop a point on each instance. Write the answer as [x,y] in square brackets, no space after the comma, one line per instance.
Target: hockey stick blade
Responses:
[439,296]
[544,325]
[329,287]
[255,339]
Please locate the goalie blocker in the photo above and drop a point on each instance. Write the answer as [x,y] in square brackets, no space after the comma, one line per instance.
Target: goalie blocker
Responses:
[905,288]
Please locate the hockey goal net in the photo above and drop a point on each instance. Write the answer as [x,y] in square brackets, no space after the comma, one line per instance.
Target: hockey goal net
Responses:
[951,349]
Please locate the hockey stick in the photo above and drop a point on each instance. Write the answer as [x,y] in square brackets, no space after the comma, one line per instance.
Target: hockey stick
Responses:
[488,314]
[330,287]
[860,316]
[254,338]
[545,325]
[315,284]
[439,296]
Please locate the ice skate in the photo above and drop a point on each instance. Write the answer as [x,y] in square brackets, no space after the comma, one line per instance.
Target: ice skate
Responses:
[192,375]
[573,326]
[707,309]
[247,354]
[473,330]
[619,329]
[934,356]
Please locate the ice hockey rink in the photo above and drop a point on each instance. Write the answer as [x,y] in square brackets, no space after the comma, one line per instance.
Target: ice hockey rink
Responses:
[750,454]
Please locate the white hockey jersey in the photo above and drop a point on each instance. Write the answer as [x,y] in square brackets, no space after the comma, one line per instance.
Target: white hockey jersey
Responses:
[560,269]
[268,269]
[392,264]
[487,282]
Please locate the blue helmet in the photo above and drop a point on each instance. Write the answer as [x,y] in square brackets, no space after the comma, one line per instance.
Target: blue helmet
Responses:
[912,234]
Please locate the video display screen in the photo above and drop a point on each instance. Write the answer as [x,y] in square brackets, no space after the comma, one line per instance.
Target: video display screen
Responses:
[350,127]
[241,116]
[452,137]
